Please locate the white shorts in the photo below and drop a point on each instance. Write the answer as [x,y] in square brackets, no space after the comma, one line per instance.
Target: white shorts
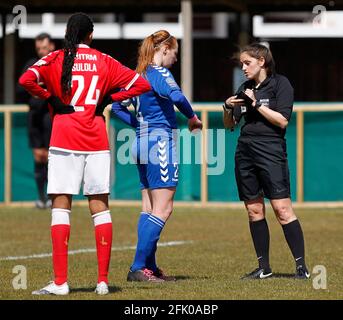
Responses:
[66,171]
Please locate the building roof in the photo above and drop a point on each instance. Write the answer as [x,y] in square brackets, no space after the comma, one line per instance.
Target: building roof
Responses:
[34,6]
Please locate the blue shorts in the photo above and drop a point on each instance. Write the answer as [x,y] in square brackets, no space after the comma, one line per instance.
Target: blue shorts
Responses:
[157,161]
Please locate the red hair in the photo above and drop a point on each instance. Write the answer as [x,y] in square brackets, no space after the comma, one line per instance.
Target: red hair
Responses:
[152,44]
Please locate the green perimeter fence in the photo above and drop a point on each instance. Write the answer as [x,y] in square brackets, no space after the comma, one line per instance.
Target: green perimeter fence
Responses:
[314,145]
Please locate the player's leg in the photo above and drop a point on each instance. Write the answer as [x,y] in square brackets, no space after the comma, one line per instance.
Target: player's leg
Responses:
[96,188]
[156,175]
[151,264]
[63,167]
[146,200]
[165,178]
[293,234]
[144,215]
[146,197]
[142,171]
[162,179]
[163,200]
[146,209]
[60,233]
[64,179]
[98,205]
[140,268]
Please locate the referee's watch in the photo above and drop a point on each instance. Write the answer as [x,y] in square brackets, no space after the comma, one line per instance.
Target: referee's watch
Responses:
[257,104]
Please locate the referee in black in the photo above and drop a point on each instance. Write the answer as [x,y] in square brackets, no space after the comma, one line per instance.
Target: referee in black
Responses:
[265,101]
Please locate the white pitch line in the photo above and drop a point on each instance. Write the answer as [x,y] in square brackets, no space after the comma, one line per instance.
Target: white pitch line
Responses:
[88,250]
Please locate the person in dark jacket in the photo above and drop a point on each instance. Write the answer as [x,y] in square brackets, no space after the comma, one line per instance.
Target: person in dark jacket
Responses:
[39,124]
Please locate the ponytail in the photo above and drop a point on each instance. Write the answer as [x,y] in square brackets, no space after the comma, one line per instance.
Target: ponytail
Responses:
[79,26]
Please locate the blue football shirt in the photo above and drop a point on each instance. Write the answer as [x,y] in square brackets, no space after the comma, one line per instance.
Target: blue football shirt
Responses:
[155,108]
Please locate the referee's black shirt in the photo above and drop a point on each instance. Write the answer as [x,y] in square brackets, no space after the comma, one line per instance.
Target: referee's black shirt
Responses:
[275,92]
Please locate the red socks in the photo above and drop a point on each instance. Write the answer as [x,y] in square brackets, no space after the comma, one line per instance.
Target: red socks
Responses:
[60,231]
[103,238]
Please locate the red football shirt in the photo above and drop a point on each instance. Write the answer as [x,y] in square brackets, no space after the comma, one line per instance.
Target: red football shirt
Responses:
[94,75]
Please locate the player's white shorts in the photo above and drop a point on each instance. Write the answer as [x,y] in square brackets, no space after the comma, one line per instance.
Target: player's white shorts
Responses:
[67,170]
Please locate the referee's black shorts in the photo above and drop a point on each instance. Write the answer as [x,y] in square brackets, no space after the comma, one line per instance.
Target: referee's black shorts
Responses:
[39,128]
[261,168]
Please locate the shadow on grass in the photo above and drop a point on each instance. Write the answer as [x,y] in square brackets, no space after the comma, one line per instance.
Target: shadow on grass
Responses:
[148,284]
[112,289]
[283,275]
[273,276]
[181,278]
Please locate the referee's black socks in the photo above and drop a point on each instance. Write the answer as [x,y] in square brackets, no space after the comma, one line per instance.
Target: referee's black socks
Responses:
[260,236]
[295,239]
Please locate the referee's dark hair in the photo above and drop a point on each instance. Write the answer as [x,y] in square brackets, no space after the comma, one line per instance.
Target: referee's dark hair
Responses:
[79,26]
[43,36]
[257,51]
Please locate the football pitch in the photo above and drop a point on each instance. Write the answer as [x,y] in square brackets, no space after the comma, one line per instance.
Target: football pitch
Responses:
[208,250]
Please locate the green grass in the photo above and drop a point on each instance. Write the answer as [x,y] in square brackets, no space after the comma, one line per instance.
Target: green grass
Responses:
[207,268]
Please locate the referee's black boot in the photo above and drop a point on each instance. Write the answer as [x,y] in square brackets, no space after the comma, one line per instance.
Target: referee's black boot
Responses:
[259,273]
[301,272]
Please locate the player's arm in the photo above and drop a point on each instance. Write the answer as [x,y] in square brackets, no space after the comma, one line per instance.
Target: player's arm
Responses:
[29,81]
[136,87]
[124,78]
[181,102]
[119,110]
[167,87]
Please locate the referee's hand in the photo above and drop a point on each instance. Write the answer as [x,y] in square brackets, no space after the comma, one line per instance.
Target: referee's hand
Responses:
[250,93]
[234,102]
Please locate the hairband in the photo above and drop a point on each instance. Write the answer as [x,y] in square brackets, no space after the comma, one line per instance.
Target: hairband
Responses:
[165,40]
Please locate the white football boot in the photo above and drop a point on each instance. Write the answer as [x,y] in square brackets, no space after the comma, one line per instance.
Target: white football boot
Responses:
[102,288]
[52,288]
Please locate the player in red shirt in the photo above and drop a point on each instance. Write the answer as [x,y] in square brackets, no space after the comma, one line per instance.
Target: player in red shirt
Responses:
[76,78]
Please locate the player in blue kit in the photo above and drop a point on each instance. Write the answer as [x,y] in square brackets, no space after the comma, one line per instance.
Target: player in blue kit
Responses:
[155,147]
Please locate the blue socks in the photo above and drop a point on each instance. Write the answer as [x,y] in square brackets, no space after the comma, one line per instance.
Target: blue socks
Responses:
[151,260]
[149,229]
[143,217]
